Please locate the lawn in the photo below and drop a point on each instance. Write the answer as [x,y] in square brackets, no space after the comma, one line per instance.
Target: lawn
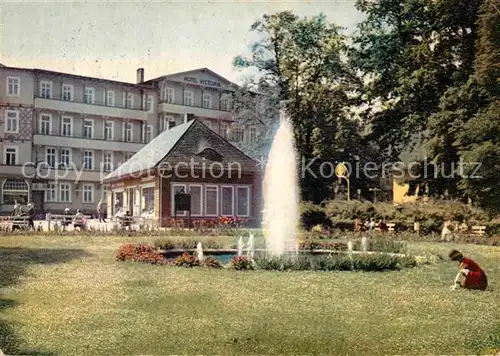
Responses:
[68,296]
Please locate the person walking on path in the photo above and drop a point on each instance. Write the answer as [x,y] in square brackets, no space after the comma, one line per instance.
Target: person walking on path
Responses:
[100,212]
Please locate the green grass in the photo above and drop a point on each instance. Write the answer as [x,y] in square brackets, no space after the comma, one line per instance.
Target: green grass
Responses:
[68,296]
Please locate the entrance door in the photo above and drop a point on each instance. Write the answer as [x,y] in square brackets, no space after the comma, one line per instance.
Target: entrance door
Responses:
[38,200]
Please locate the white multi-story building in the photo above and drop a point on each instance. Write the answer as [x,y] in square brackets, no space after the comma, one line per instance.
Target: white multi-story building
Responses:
[60,134]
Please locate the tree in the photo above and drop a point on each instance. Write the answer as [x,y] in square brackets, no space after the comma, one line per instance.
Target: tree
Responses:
[479,141]
[302,61]
[418,56]
[411,52]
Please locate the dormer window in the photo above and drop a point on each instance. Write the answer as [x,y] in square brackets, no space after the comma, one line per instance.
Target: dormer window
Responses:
[210,154]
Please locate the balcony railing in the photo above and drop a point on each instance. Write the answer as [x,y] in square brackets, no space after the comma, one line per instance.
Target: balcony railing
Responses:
[80,142]
[181,103]
[96,102]
[94,137]
[91,108]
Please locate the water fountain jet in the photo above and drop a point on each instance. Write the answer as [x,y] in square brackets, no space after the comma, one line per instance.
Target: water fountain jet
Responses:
[281,192]
[199,252]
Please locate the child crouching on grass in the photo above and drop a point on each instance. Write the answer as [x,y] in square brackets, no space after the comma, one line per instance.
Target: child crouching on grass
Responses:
[471,276]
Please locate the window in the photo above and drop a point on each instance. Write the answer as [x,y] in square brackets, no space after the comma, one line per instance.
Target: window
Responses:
[168,122]
[50,192]
[128,100]
[88,193]
[188,98]
[224,104]
[10,157]
[105,189]
[88,158]
[211,200]
[107,161]
[89,95]
[67,126]
[224,127]
[88,128]
[238,134]
[168,94]
[65,157]
[207,101]
[15,190]
[46,90]
[13,86]
[127,134]
[110,98]
[242,201]
[67,92]
[196,199]
[127,156]
[11,121]
[148,200]
[51,157]
[252,134]
[176,188]
[108,130]
[65,193]
[45,124]
[149,103]
[148,133]
[227,201]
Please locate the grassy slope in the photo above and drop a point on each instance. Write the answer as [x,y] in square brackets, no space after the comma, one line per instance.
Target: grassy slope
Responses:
[68,296]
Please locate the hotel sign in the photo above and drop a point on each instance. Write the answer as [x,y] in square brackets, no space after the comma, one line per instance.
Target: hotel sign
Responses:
[205,82]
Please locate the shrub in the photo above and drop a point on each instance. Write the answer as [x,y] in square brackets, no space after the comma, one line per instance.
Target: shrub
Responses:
[140,253]
[211,262]
[323,245]
[312,215]
[186,243]
[336,262]
[242,263]
[186,260]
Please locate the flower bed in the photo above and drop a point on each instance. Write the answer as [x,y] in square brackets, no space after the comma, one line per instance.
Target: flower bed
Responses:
[323,262]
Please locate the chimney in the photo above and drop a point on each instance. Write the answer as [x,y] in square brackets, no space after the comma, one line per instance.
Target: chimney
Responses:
[140,75]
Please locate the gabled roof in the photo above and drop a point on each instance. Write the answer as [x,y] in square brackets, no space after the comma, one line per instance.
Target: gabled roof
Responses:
[189,142]
[204,69]
[151,154]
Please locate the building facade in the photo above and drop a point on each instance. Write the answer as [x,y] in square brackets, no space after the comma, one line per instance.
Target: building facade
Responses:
[189,158]
[61,134]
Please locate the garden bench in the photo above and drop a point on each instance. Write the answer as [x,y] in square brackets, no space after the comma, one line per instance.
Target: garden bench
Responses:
[66,220]
[478,230]
[20,222]
[130,221]
[391,227]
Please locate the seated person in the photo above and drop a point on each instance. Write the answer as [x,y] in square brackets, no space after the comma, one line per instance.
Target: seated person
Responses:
[18,221]
[358,225]
[471,276]
[126,219]
[67,218]
[382,226]
[79,220]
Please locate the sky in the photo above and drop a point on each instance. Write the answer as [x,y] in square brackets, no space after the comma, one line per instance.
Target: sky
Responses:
[111,39]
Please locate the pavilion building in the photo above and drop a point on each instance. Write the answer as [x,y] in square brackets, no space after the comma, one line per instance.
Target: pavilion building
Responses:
[221,179]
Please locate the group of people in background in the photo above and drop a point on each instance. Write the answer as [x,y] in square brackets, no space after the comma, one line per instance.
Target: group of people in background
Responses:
[370,225]
[449,227]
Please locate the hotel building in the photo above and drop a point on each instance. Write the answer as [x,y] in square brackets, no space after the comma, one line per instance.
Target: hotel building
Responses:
[61,134]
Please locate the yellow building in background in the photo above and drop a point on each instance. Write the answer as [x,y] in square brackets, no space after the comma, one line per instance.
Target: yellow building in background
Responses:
[400,191]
